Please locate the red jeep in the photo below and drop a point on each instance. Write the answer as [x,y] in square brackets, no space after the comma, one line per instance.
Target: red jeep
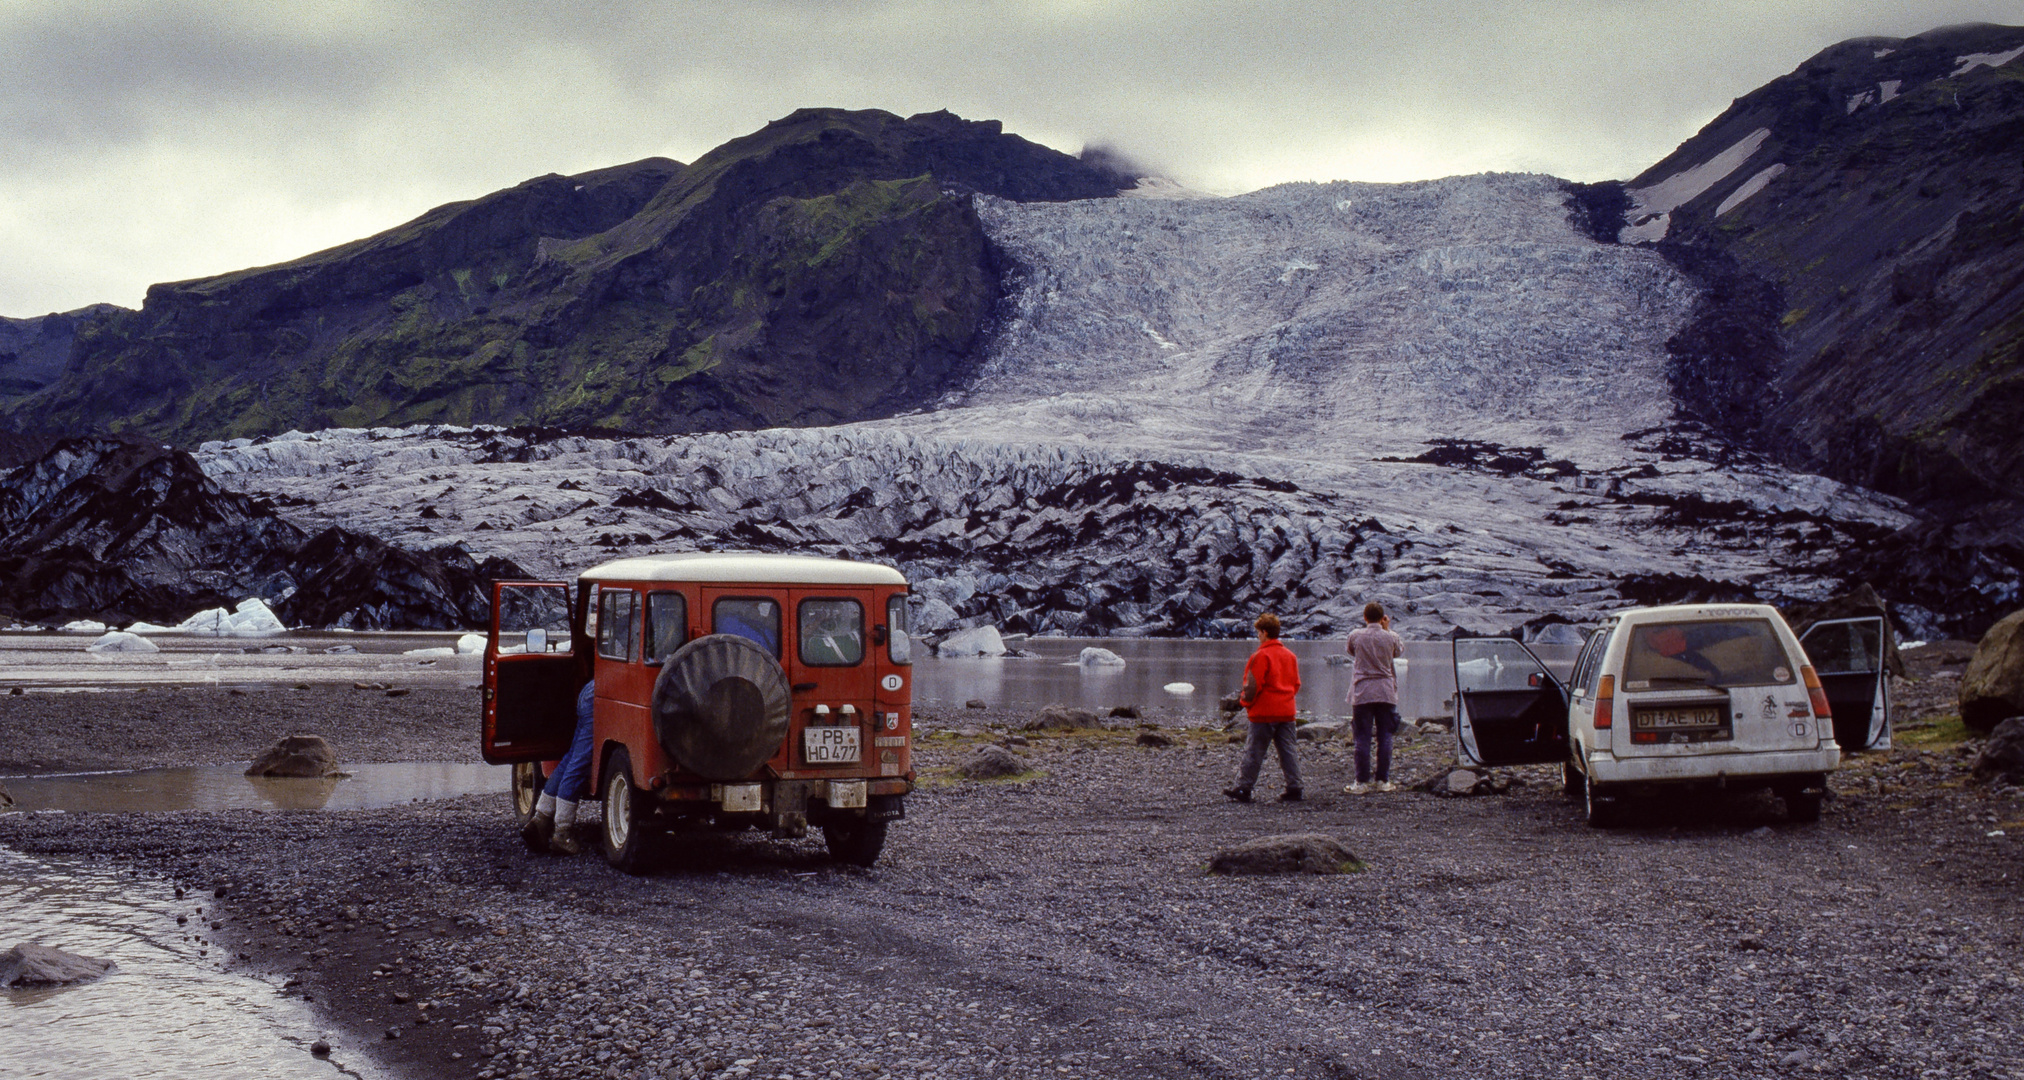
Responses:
[733,691]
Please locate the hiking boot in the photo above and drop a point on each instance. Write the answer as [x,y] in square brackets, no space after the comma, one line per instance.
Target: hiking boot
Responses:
[537,831]
[1237,794]
[1357,788]
[1291,794]
[1386,785]
[564,843]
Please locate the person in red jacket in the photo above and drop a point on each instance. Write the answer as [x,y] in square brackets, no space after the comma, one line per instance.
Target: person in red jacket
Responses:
[1271,679]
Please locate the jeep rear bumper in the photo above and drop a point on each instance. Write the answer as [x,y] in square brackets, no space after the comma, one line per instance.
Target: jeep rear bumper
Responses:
[1743,768]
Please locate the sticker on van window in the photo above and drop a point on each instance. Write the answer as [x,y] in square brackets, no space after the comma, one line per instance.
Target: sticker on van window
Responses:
[1781,673]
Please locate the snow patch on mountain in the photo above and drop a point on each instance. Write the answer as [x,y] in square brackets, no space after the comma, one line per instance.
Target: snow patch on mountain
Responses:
[1648,204]
[1988,59]
[1748,188]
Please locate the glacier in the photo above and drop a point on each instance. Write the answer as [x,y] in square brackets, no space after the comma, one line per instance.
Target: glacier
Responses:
[1444,396]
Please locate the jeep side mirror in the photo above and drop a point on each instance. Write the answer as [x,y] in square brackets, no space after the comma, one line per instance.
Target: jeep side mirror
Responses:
[537,640]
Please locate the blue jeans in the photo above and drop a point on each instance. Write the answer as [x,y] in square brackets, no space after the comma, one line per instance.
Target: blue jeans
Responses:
[572,774]
[1380,718]
[1261,738]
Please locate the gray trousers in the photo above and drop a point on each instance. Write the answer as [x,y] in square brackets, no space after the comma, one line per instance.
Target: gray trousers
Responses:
[1262,736]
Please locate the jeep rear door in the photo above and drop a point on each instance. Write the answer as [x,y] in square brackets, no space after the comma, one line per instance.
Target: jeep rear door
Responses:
[531,674]
[1847,654]
[1509,710]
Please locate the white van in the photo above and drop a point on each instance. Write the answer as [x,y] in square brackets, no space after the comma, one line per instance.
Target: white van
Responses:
[1713,695]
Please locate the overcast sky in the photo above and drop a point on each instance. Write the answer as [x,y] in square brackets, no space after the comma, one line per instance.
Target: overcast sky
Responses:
[156,141]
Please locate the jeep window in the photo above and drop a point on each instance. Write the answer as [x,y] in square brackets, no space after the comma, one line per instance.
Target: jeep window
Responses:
[1719,653]
[667,624]
[615,624]
[898,646]
[753,618]
[832,632]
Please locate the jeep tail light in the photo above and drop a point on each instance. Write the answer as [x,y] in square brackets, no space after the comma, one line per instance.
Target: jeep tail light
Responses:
[1605,702]
[1814,693]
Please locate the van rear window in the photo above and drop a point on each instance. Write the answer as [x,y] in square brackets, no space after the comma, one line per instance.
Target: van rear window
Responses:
[753,618]
[832,632]
[1720,652]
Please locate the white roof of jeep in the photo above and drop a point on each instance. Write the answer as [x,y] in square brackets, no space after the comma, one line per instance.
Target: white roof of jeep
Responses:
[745,568]
[1698,611]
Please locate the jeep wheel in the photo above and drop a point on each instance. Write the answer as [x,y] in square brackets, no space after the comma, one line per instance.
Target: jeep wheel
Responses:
[624,836]
[527,781]
[855,840]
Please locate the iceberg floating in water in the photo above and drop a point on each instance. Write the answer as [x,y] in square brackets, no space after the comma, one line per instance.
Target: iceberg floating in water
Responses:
[121,641]
[976,641]
[252,616]
[1179,688]
[85,626]
[1095,657]
[472,644]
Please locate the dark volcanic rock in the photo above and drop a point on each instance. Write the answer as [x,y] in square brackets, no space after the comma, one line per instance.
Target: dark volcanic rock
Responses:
[2003,754]
[1301,853]
[1992,689]
[125,529]
[992,763]
[295,755]
[827,268]
[39,965]
[32,351]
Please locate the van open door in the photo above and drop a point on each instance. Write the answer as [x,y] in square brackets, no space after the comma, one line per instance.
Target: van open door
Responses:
[1847,654]
[1509,710]
[531,673]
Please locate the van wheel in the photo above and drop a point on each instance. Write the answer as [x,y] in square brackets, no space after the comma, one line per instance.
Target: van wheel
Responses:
[527,782]
[1802,805]
[855,840]
[1602,810]
[624,836]
[1572,783]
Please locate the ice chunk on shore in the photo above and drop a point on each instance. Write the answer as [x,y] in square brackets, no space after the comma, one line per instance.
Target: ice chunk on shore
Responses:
[117,641]
[473,644]
[252,616]
[976,641]
[85,626]
[440,650]
[1095,657]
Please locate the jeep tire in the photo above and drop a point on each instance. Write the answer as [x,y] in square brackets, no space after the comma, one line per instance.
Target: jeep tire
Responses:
[854,840]
[625,833]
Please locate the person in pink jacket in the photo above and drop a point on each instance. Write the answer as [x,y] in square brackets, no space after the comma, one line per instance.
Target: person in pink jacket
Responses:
[1271,680]
[1374,696]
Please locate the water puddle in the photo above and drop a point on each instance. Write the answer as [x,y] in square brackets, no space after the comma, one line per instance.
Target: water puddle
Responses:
[225,787]
[167,1011]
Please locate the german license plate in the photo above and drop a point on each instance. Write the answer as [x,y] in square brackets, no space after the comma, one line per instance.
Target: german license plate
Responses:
[1698,716]
[830,746]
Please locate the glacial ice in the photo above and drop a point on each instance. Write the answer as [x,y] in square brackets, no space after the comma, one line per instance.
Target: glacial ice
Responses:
[473,645]
[251,617]
[121,641]
[1179,688]
[84,626]
[1092,656]
[1462,411]
[976,641]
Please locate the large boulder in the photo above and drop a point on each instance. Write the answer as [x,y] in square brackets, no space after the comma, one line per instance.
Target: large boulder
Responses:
[1992,689]
[2002,757]
[992,763]
[1298,853]
[1855,603]
[40,965]
[295,755]
[1062,718]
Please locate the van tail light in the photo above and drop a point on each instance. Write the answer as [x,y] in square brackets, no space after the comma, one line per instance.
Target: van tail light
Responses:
[1814,693]
[1605,702]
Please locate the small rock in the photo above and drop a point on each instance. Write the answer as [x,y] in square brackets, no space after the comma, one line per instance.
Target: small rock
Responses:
[39,965]
[1749,943]
[393,1033]
[1298,853]
[320,1048]
[398,691]
[295,755]
[1125,712]
[992,763]
[1796,1057]
[1062,718]
[1153,738]
[1018,740]
[2002,756]
[1319,731]
[976,703]
[1230,704]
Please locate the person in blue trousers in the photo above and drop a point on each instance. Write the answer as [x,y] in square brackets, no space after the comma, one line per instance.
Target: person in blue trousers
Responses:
[553,826]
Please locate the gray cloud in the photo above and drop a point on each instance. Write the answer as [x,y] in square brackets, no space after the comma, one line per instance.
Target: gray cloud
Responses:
[155,141]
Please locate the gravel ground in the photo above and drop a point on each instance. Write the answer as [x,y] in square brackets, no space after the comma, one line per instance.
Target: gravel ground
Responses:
[1061,923]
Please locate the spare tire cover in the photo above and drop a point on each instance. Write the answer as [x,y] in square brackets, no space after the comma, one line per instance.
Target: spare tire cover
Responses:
[720,706]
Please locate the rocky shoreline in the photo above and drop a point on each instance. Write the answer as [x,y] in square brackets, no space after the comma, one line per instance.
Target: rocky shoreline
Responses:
[1061,921]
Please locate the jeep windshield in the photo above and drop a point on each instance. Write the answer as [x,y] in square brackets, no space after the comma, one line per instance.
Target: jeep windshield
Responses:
[1717,653]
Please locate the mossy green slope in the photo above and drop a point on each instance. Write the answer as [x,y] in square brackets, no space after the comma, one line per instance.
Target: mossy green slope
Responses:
[824,269]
